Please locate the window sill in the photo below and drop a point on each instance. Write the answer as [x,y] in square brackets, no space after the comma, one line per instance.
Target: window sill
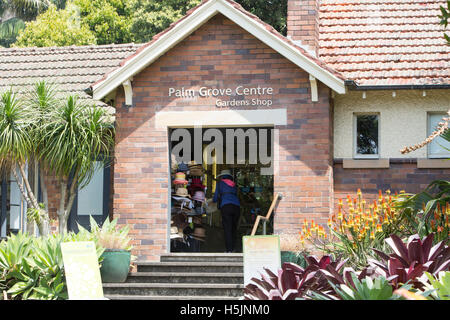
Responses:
[365,163]
[433,163]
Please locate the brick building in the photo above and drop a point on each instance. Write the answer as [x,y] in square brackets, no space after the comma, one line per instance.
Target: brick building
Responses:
[350,85]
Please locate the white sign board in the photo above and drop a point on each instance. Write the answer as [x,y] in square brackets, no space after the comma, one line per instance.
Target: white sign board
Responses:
[82,270]
[260,252]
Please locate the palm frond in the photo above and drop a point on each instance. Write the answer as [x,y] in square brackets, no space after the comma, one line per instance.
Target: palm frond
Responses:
[15,124]
[11,28]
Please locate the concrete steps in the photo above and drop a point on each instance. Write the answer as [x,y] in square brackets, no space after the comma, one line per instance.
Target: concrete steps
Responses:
[183,276]
[202,257]
[190,267]
[191,277]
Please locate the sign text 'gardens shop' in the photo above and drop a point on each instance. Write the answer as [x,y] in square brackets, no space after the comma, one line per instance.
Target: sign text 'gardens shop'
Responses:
[237,96]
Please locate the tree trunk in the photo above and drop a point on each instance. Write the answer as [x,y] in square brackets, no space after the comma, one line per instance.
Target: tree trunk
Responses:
[43,187]
[44,221]
[21,188]
[62,225]
[44,225]
[28,187]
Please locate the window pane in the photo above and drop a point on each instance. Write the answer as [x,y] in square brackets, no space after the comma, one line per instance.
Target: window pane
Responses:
[438,145]
[367,134]
[90,198]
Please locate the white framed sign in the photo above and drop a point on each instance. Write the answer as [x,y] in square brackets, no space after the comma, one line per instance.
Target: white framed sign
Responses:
[260,252]
[83,277]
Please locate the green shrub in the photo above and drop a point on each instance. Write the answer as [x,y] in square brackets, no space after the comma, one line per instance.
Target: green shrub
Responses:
[32,267]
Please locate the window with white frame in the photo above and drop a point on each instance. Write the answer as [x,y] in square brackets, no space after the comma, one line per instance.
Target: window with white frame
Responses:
[366,136]
[439,147]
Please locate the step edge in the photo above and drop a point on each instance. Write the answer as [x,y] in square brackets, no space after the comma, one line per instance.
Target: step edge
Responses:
[190,263]
[190,274]
[175,285]
[202,254]
[131,297]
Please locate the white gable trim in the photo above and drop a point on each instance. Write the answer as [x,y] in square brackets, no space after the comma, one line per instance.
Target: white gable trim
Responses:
[185,27]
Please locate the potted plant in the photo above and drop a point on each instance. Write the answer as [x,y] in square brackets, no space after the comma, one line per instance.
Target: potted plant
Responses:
[291,249]
[116,259]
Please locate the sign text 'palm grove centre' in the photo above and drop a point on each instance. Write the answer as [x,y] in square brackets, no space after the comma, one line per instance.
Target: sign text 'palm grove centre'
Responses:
[237,96]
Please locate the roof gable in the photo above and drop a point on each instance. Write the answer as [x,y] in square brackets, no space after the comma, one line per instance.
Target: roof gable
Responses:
[195,18]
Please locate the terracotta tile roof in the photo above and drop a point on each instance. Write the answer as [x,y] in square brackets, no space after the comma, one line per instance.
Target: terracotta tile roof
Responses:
[237,6]
[385,42]
[73,69]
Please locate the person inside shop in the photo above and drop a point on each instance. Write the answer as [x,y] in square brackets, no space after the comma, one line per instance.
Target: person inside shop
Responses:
[228,202]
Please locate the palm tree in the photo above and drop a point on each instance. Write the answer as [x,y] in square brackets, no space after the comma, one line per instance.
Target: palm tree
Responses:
[73,138]
[16,144]
[67,138]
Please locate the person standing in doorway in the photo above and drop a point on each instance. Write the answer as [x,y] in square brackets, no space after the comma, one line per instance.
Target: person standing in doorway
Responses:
[229,205]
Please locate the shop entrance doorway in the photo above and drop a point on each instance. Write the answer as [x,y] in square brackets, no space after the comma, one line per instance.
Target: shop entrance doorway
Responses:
[197,157]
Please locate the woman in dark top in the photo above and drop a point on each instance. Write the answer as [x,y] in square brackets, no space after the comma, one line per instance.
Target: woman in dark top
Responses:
[228,203]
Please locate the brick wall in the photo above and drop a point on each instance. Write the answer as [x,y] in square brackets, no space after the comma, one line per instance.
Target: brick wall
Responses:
[219,54]
[303,22]
[402,175]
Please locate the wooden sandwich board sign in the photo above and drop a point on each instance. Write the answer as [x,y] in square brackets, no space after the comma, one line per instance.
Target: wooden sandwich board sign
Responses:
[260,252]
[82,271]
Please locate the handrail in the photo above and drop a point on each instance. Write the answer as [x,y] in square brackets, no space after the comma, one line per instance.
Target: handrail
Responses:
[269,213]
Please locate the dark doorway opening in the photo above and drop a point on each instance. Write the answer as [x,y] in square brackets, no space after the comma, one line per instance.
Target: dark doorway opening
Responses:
[245,152]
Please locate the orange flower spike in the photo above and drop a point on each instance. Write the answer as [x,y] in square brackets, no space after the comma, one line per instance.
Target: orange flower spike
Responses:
[372,235]
[440,229]
[436,215]
[379,228]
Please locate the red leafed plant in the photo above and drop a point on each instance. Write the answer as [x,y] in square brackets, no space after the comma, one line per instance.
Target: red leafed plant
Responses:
[292,281]
[409,261]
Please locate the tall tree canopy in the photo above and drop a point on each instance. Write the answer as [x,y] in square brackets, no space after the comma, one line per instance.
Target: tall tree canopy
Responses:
[123,21]
[56,28]
[150,17]
[109,20]
[273,12]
